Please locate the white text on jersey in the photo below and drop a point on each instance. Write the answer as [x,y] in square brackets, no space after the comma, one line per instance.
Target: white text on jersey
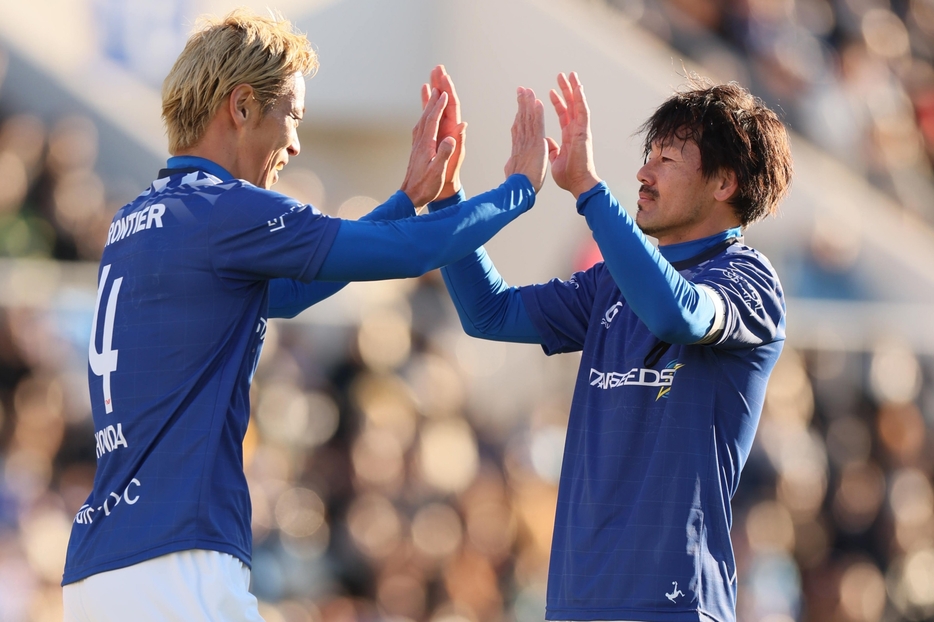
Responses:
[135,222]
[641,377]
[85,515]
[110,439]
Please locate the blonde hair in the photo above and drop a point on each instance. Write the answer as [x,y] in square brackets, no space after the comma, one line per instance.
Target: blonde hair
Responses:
[241,48]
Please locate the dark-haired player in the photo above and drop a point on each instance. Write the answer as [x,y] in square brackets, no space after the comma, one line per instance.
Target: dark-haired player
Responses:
[678,343]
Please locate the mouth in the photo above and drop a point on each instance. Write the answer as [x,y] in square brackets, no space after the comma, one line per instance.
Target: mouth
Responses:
[647,194]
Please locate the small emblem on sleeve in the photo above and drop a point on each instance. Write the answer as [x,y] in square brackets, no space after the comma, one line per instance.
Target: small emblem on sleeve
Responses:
[276,224]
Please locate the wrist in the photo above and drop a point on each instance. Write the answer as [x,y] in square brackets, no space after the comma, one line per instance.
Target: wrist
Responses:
[584,184]
[449,189]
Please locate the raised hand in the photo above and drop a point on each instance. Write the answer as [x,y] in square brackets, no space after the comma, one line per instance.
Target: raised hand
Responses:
[529,146]
[572,165]
[450,125]
[429,159]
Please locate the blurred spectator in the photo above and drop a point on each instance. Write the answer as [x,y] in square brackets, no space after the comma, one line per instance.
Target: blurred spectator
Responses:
[855,77]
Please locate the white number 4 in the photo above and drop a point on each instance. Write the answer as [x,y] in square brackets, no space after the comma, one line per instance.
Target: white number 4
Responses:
[104,363]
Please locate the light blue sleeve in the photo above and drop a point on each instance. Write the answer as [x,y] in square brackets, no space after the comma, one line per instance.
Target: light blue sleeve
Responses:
[487,307]
[288,297]
[674,309]
[369,251]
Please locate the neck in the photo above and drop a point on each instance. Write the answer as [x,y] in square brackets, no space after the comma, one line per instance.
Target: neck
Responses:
[720,218]
[219,145]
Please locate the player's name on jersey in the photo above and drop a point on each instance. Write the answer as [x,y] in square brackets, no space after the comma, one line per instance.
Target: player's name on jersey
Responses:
[110,439]
[144,219]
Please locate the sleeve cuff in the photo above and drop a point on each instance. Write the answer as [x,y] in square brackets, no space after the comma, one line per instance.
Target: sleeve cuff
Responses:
[600,188]
[460,197]
[404,201]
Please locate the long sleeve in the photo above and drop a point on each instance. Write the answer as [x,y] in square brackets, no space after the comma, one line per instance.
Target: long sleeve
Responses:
[288,297]
[366,251]
[487,307]
[674,309]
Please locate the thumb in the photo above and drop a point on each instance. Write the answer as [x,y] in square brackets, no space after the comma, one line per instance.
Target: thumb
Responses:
[445,149]
[554,150]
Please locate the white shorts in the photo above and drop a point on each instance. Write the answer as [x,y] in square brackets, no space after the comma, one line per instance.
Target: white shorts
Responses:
[195,585]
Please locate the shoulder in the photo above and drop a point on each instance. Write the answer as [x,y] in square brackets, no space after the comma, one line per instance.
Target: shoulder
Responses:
[739,263]
[239,200]
[238,191]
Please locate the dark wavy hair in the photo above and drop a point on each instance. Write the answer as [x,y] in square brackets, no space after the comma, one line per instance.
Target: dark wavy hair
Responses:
[734,131]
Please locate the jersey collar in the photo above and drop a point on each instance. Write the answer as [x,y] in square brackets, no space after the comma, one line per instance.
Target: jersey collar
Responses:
[685,251]
[188,164]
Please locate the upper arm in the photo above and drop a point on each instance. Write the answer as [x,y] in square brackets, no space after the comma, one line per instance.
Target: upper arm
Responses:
[257,234]
[752,299]
[561,310]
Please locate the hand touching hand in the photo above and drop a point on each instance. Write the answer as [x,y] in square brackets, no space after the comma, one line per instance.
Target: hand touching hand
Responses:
[428,161]
[450,125]
[572,164]
[529,146]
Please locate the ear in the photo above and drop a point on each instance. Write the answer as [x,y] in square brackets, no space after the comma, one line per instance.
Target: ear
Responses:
[241,104]
[726,185]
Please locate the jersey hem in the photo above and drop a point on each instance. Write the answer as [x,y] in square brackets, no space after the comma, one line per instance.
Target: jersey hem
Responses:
[648,615]
[75,575]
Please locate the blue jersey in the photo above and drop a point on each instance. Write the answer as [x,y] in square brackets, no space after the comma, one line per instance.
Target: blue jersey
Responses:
[657,437]
[178,329]
[190,273]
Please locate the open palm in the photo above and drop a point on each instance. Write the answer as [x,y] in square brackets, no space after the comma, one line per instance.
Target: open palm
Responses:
[572,165]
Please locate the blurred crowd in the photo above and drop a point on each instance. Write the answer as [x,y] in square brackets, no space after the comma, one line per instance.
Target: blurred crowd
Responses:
[52,202]
[854,76]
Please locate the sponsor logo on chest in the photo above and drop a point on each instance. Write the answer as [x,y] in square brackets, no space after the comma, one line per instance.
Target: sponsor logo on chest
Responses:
[637,376]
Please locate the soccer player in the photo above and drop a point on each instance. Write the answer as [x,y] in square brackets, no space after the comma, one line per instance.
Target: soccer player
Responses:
[183,299]
[677,346]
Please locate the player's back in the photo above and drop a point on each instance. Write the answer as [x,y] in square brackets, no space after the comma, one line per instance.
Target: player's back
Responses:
[172,351]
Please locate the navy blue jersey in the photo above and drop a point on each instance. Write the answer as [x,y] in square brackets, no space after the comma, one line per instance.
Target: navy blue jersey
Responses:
[657,437]
[178,329]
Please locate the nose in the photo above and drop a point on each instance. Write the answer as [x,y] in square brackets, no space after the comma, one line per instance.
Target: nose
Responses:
[295,146]
[644,174]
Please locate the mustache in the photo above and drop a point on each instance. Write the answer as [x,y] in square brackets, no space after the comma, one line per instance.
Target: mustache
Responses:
[643,189]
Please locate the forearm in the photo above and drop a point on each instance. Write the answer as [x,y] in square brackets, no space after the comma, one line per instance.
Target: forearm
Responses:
[673,308]
[288,298]
[487,307]
[366,251]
